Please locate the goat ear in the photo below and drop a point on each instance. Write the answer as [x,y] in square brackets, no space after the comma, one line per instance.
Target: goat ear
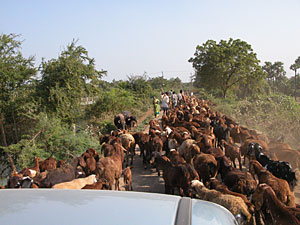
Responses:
[264,186]
[82,163]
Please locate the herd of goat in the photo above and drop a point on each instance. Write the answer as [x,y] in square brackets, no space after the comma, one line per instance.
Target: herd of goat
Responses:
[196,149]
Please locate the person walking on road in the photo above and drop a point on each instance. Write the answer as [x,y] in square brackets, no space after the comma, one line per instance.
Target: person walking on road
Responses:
[165,103]
[156,107]
[174,98]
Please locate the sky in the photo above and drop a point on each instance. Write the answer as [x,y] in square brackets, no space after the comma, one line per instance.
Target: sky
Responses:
[136,37]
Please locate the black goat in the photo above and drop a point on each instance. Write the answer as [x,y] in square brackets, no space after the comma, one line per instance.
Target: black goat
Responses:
[220,132]
[280,169]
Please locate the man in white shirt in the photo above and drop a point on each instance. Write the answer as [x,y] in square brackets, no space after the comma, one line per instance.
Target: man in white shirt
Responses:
[165,103]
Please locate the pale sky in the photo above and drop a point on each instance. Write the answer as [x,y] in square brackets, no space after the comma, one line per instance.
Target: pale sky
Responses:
[132,37]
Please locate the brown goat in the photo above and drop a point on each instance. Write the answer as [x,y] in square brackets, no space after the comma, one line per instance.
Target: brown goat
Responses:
[128,178]
[188,150]
[101,184]
[107,149]
[62,174]
[232,152]
[128,143]
[279,213]
[235,179]
[179,176]
[175,158]
[110,168]
[280,186]
[206,166]
[48,164]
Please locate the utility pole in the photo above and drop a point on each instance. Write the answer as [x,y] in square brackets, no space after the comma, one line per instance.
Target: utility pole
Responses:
[295,84]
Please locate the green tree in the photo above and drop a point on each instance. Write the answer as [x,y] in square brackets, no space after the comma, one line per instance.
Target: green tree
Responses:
[140,85]
[159,83]
[294,67]
[276,75]
[226,65]
[15,74]
[66,80]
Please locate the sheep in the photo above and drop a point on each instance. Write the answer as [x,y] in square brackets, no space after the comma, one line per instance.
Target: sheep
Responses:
[234,204]
[76,183]
[280,186]
[217,185]
[188,149]
[128,143]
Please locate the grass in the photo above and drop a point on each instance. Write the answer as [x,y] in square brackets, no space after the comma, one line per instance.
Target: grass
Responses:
[143,124]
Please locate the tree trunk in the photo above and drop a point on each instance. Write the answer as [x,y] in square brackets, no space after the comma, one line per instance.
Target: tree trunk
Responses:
[3,136]
[4,143]
[224,93]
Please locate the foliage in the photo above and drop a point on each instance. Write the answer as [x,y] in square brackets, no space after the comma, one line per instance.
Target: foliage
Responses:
[66,80]
[50,137]
[274,115]
[114,101]
[276,77]
[140,86]
[16,73]
[227,66]
[161,84]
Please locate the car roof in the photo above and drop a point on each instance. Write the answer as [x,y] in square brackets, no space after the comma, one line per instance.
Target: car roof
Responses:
[48,206]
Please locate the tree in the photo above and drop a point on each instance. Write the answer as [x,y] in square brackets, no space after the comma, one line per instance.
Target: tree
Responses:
[294,67]
[276,75]
[225,65]
[66,80]
[158,83]
[140,85]
[15,74]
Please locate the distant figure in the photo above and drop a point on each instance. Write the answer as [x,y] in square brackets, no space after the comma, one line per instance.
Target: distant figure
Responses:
[179,97]
[165,103]
[174,98]
[156,107]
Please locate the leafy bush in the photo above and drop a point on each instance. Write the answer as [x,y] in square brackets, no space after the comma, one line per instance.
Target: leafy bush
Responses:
[51,137]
